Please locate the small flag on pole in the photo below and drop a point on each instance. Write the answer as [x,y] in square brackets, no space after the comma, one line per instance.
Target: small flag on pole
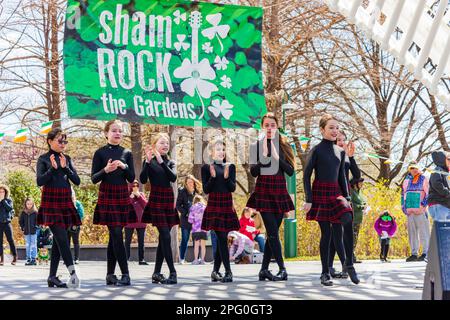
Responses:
[388,161]
[21,135]
[304,142]
[46,127]
[1,137]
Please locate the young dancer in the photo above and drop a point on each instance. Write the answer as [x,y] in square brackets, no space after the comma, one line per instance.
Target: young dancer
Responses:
[271,158]
[113,167]
[327,202]
[219,182]
[160,209]
[55,171]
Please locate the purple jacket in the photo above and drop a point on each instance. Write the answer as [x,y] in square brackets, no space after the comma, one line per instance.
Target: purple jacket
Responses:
[196,216]
[139,205]
[389,226]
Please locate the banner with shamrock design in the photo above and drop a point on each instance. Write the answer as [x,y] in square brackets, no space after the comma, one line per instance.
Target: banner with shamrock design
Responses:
[164,62]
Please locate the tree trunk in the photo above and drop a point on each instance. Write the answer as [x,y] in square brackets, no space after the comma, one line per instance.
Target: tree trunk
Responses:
[136,147]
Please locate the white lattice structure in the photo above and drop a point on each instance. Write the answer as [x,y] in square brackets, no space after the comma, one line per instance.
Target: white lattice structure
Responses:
[404,23]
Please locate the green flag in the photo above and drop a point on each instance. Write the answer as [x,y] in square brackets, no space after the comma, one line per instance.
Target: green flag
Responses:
[164,62]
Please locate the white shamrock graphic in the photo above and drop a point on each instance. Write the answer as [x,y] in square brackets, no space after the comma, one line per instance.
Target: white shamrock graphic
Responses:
[226,82]
[195,79]
[181,44]
[179,16]
[221,64]
[223,108]
[207,48]
[217,30]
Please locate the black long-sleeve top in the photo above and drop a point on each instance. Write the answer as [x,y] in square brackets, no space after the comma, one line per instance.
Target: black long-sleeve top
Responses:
[218,183]
[48,176]
[258,161]
[328,162]
[351,166]
[117,177]
[160,175]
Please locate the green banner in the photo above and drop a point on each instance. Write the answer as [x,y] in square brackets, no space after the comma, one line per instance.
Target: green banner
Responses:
[164,62]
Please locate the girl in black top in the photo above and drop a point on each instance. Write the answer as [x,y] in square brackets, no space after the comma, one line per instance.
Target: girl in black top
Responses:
[113,167]
[328,200]
[350,166]
[160,209]
[55,171]
[219,182]
[191,188]
[271,158]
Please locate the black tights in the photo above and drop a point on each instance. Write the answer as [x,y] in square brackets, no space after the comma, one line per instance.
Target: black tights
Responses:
[164,250]
[272,222]
[222,253]
[60,248]
[116,251]
[325,241]
[348,246]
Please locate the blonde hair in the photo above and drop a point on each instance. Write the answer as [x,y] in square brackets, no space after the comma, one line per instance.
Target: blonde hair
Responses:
[33,209]
[6,188]
[212,144]
[198,198]
[158,136]
[246,209]
[198,187]
[324,120]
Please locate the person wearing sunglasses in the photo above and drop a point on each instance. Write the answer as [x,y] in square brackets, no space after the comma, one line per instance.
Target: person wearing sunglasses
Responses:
[439,197]
[139,202]
[55,173]
[415,189]
[385,226]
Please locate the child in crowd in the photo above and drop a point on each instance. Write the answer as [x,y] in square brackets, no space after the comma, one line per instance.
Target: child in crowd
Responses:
[28,225]
[386,227]
[249,229]
[240,246]
[199,236]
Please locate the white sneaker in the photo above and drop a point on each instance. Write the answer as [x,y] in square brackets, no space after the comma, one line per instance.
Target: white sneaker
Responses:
[196,262]
[182,261]
[202,261]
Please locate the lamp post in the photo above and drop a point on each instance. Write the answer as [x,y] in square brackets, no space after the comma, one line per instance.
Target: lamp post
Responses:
[290,224]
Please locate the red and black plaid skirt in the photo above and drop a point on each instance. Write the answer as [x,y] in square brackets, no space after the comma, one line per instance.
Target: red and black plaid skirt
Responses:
[271,195]
[325,206]
[160,210]
[57,208]
[114,207]
[220,214]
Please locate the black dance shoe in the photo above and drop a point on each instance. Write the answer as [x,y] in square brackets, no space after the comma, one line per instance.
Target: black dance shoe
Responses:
[158,277]
[282,274]
[124,281]
[54,281]
[228,277]
[172,279]
[111,279]
[266,274]
[216,276]
[325,279]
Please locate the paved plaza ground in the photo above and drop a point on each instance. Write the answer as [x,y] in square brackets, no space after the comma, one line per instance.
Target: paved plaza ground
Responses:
[379,281]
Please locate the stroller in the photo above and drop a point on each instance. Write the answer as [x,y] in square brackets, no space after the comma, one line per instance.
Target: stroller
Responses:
[44,243]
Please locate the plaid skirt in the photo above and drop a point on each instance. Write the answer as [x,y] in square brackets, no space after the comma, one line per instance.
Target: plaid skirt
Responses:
[325,206]
[271,195]
[220,214]
[160,210]
[57,208]
[114,206]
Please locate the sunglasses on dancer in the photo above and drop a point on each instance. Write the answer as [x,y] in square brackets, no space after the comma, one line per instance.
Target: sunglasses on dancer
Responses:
[63,141]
